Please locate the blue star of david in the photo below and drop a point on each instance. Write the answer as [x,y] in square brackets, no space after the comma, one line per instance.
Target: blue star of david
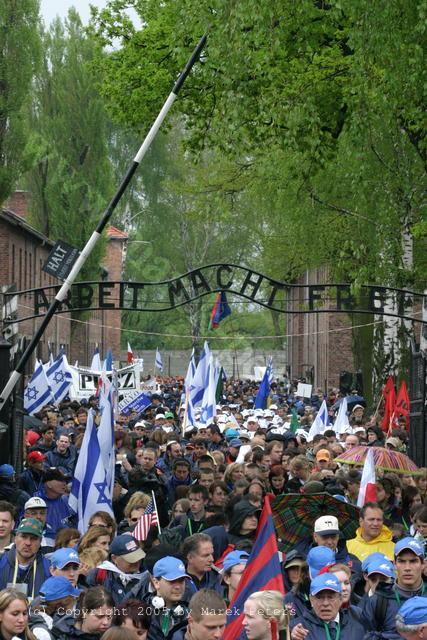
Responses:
[32,393]
[59,377]
[101,488]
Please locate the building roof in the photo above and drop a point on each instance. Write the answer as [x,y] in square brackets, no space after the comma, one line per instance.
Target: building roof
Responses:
[17,220]
[113,232]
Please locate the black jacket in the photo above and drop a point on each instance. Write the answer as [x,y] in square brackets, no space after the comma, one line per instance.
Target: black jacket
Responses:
[65,630]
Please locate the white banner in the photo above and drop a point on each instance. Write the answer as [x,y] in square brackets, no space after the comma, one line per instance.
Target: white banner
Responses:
[85,381]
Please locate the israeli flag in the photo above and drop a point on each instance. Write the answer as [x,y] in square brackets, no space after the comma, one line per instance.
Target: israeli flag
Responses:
[90,490]
[209,397]
[96,364]
[200,379]
[38,392]
[341,424]
[270,370]
[106,431]
[59,377]
[320,422]
[158,363]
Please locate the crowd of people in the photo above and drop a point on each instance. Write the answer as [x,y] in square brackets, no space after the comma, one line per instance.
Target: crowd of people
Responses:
[209,483]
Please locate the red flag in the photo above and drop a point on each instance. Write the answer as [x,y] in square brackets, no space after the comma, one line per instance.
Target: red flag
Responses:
[402,406]
[130,354]
[389,395]
[368,483]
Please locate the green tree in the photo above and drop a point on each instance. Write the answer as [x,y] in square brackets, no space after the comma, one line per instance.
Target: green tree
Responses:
[70,181]
[322,108]
[19,58]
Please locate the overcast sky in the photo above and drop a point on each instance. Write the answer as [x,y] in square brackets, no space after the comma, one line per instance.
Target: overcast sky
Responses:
[49,9]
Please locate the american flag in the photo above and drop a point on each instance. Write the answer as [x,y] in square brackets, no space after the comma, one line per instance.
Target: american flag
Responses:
[148,518]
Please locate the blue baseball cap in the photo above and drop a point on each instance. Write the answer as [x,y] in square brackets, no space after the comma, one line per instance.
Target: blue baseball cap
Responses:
[61,557]
[57,587]
[233,558]
[382,566]
[325,582]
[318,558]
[127,547]
[6,471]
[231,433]
[235,442]
[372,556]
[409,544]
[170,568]
[413,611]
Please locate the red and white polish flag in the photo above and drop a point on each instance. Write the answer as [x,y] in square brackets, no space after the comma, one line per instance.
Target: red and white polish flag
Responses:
[368,486]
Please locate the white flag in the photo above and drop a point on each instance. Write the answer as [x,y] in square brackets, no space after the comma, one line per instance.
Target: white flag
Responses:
[209,397]
[90,491]
[38,392]
[341,424]
[59,377]
[368,486]
[96,364]
[321,421]
[158,362]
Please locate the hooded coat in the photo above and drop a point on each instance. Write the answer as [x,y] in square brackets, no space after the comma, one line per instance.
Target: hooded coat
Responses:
[241,510]
[119,584]
[64,629]
[387,591]
[362,548]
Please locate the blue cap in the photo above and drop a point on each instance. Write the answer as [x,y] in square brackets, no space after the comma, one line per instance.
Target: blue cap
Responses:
[231,433]
[61,557]
[413,611]
[169,568]
[318,558]
[325,582]
[57,587]
[409,544]
[127,547]
[372,556]
[233,558]
[382,566]
[6,471]
[235,442]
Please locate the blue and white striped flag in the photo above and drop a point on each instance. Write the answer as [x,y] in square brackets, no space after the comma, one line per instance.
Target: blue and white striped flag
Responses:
[96,364]
[320,422]
[200,378]
[107,398]
[38,392]
[158,362]
[90,490]
[59,377]
[209,397]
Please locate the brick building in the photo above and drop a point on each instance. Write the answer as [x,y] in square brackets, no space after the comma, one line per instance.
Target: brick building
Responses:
[320,344]
[23,251]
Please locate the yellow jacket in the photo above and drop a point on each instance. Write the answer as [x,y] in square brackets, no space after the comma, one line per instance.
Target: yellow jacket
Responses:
[361,548]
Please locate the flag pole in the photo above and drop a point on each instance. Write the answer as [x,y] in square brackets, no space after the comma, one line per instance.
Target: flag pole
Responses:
[155,506]
[87,249]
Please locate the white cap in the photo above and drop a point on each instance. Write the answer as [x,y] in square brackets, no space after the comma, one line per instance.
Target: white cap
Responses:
[273,407]
[35,503]
[158,416]
[326,525]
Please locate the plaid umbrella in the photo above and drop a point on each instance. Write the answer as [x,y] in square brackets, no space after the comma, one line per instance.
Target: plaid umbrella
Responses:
[294,515]
[385,459]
